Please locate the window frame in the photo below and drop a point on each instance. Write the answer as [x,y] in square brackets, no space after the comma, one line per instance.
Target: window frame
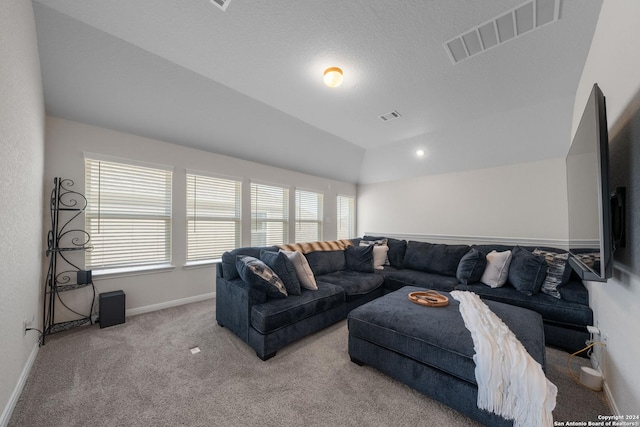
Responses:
[255,221]
[237,219]
[351,227]
[126,211]
[319,214]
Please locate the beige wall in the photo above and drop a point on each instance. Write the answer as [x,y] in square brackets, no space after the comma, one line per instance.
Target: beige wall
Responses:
[21,166]
[67,142]
[524,201]
[614,64]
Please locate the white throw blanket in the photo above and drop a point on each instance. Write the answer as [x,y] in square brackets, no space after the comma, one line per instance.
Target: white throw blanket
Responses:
[510,382]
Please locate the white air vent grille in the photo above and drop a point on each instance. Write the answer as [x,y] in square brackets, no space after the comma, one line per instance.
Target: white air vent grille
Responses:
[518,21]
[222,4]
[390,116]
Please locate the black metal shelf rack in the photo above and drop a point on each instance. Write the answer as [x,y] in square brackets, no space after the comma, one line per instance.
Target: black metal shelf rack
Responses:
[64,275]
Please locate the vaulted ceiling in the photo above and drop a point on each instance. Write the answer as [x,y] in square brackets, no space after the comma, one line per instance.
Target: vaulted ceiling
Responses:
[247,82]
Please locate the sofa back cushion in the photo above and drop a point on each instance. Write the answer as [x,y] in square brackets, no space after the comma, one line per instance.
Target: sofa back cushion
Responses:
[397,249]
[325,262]
[229,270]
[434,258]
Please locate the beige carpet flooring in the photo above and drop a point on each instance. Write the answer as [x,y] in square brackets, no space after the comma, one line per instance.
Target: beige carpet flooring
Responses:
[142,373]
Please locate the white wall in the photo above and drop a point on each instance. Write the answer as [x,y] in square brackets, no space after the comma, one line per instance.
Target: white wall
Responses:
[614,64]
[21,165]
[67,142]
[523,201]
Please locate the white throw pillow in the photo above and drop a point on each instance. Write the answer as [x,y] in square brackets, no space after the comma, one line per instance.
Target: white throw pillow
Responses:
[377,243]
[497,271]
[305,275]
[380,256]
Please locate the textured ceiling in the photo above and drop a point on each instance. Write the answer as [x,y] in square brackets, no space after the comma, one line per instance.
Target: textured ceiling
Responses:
[248,82]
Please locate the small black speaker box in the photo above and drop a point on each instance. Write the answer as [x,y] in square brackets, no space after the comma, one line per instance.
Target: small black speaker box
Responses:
[84,277]
[111,306]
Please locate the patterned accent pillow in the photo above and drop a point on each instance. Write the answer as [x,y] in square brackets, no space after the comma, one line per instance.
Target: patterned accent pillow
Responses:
[257,274]
[556,271]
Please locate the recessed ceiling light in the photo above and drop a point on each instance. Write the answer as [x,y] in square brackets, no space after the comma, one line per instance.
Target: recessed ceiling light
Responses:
[333,77]
[420,152]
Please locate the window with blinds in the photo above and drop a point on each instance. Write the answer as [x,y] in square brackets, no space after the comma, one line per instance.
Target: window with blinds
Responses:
[213,216]
[269,215]
[128,214]
[308,216]
[346,217]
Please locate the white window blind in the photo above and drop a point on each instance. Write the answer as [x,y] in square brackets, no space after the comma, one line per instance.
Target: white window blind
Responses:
[128,214]
[269,215]
[308,216]
[213,216]
[346,217]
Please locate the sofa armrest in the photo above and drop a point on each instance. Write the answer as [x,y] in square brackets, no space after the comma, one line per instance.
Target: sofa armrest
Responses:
[234,299]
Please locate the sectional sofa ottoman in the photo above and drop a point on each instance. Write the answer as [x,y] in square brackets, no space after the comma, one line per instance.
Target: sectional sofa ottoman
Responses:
[268,324]
[430,349]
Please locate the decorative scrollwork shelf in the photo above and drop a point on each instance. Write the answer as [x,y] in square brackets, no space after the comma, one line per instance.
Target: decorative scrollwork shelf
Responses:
[63,274]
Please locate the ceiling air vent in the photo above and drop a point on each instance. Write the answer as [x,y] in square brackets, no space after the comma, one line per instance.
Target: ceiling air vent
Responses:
[508,26]
[222,4]
[390,116]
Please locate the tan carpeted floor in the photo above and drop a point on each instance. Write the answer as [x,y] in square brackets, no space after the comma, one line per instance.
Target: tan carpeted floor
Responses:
[142,373]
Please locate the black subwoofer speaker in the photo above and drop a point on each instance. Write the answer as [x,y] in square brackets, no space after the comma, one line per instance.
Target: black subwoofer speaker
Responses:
[111,306]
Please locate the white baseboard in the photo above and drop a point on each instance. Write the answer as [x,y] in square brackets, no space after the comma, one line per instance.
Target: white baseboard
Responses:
[17,391]
[168,304]
[610,401]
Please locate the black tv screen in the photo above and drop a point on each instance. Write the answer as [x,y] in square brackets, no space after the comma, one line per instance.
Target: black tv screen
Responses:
[590,231]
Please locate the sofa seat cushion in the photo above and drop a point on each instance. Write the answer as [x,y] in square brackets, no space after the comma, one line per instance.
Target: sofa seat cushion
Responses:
[396,279]
[278,313]
[354,284]
[437,337]
[551,309]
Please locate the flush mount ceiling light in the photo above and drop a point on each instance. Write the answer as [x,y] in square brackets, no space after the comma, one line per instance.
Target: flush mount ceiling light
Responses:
[333,77]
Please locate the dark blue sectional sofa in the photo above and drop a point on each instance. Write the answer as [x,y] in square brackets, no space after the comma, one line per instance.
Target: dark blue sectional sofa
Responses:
[268,324]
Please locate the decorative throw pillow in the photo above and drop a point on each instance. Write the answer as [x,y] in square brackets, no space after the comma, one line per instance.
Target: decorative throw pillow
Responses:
[556,271]
[305,275]
[256,273]
[497,271]
[380,258]
[397,248]
[378,243]
[284,268]
[360,258]
[471,267]
[527,271]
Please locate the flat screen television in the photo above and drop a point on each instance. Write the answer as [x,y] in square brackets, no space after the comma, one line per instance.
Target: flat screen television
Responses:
[593,208]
